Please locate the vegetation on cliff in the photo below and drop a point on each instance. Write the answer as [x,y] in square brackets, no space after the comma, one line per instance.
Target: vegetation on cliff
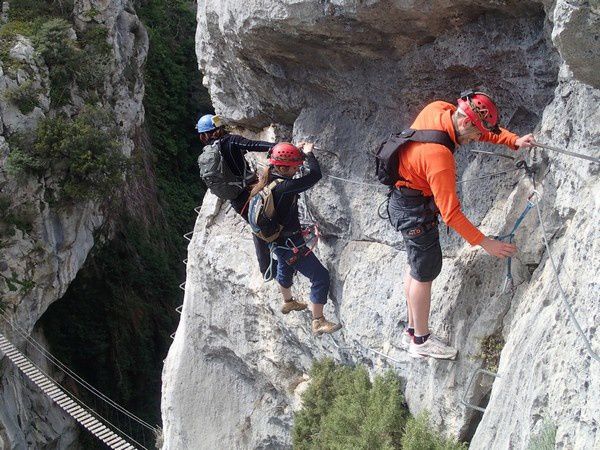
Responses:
[113,324]
[124,298]
[343,408]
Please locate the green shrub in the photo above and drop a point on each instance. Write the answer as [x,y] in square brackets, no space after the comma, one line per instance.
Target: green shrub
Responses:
[418,435]
[95,59]
[14,28]
[174,99]
[82,155]
[545,439]
[20,217]
[342,409]
[490,349]
[30,10]
[8,37]
[60,52]
[14,284]
[84,62]
[24,97]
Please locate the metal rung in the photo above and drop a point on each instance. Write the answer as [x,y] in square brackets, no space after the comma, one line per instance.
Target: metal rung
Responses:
[336,344]
[94,429]
[86,422]
[69,404]
[80,415]
[103,433]
[179,308]
[185,261]
[34,375]
[182,286]
[53,391]
[384,355]
[60,397]
[188,234]
[121,444]
[77,411]
[197,209]
[112,440]
[172,336]
[463,400]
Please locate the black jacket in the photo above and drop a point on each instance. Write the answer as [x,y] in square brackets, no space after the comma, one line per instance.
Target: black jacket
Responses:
[285,195]
[234,147]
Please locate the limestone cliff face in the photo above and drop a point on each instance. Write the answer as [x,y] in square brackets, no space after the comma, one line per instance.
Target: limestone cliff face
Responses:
[38,263]
[345,74]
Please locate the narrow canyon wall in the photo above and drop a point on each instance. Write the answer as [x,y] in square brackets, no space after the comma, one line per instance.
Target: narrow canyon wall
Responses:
[39,259]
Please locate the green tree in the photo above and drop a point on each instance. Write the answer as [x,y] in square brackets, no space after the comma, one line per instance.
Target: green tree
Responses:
[173,101]
[343,409]
[81,154]
[418,435]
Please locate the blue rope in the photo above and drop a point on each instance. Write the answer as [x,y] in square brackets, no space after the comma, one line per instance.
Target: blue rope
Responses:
[508,281]
[289,245]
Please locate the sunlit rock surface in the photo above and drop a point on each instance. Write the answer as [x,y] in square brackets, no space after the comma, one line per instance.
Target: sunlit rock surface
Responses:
[345,74]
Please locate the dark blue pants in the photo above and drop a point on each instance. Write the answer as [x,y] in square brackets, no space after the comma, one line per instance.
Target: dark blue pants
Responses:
[308,265]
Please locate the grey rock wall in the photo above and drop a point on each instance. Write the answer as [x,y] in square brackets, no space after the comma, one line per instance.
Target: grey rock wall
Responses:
[48,256]
[345,74]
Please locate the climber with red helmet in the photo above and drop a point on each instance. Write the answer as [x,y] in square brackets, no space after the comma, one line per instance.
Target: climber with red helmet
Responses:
[284,161]
[426,188]
[232,147]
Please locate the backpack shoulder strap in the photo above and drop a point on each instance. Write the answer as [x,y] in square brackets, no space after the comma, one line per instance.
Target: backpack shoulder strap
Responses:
[434,136]
[274,183]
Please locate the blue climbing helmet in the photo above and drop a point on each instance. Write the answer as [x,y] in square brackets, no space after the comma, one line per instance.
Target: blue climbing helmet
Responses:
[208,122]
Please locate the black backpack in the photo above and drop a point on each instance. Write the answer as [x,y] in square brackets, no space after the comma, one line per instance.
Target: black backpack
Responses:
[217,175]
[386,156]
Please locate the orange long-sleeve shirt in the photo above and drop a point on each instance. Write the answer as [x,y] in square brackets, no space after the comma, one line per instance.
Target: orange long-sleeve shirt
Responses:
[431,168]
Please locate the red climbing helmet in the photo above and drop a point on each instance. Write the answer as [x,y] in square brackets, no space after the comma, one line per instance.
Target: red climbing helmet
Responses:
[285,154]
[482,111]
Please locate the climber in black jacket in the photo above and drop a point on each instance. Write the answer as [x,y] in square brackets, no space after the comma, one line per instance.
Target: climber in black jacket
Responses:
[290,247]
[233,148]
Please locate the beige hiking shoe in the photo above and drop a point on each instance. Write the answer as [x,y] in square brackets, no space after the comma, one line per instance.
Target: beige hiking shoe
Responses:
[321,325]
[292,305]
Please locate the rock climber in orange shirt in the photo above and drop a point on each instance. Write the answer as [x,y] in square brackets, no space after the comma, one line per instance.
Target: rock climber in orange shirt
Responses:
[427,187]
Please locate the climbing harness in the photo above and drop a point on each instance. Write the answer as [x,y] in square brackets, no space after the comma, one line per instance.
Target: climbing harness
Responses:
[566,152]
[385,204]
[532,200]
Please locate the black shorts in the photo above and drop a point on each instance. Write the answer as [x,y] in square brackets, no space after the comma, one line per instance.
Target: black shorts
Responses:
[416,217]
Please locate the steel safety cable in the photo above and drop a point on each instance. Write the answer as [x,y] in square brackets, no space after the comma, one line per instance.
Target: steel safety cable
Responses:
[566,152]
[588,345]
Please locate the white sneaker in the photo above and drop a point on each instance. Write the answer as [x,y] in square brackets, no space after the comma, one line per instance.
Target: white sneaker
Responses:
[405,340]
[434,348]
